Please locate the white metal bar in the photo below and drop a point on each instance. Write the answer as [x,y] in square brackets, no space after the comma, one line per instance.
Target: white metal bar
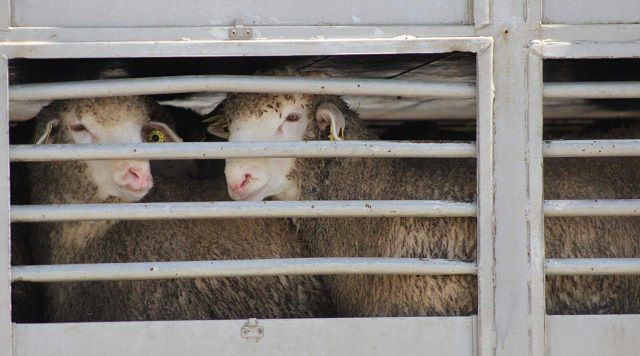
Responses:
[273,47]
[213,150]
[552,49]
[533,12]
[592,33]
[238,83]
[514,324]
[592,90]
[534,212]
[141,34]
[592,266]
[5,228]
[600,207]
[239,268]
[272,209]
[592,148]
[309,337]
[486,208]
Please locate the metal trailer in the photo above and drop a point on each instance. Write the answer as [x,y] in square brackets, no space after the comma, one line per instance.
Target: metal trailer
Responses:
[511,40]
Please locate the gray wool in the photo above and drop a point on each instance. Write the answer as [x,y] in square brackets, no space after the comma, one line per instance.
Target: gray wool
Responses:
[455,238]
[191,240]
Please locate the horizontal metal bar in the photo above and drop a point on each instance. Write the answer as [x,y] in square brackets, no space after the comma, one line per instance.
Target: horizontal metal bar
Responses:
[279,46]
[239,83]
[614,47]
[218,150]
[239,268]
[592,266]
[592,90]
[600,207]
[271,209]
[591,148]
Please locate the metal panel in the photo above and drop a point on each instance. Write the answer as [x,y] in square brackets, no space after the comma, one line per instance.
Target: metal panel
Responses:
[5,229]
[168,13]
[362,336]
[591,11]
[593,335]
[240,268]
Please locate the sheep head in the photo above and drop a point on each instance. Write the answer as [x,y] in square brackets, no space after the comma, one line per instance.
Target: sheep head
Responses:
[275,117]
[106,120]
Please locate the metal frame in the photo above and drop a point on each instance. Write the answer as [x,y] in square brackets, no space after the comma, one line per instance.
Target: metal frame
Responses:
[511,264]
[483,151]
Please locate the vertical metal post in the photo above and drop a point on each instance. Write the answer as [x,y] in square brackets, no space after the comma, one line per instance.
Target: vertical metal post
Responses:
[481,14]
[5,14]
[516,333]
[486,212]
[536,200]
[5,229]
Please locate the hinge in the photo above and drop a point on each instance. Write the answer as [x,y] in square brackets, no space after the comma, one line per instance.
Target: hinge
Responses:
[251,330]
[239,32]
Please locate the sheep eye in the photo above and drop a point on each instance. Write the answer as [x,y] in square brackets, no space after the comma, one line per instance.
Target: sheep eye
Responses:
[78,128]
[293,117]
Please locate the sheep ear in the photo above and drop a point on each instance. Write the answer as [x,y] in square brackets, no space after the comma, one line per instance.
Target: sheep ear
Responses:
[154,131]
[43,131]
[218,126]
[329,115]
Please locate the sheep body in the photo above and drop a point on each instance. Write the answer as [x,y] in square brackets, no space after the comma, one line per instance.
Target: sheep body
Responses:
[191,240]
[446,237]
[158,240]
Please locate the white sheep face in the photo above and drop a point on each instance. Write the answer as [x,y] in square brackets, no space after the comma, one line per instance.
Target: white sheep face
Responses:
[283,118]
[110,120]
[254,179]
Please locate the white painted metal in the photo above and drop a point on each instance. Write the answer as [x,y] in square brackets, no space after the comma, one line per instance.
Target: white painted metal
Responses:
[628,47]
[212,150]
[607,90]
[202,210]
[486,207]
[591,11]
[600,207]
[228,83]
[167,13]
[313,337]
[517,333]
[240,268]
[5,229]
[333,86]
[534,212]
[593,335]
[591,148]
[278,47]
[593,266]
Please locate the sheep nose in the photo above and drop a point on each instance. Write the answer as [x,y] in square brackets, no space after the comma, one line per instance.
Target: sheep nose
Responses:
[138,179]
[240,184]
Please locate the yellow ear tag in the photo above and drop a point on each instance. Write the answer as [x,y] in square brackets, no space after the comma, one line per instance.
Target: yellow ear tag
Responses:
[332,137]
[156,136]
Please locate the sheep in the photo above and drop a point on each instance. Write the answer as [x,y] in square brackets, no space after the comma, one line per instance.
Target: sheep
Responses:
[126,120]
[297,117]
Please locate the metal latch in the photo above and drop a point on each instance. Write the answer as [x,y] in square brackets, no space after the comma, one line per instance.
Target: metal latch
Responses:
[252,330]
[239,32]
